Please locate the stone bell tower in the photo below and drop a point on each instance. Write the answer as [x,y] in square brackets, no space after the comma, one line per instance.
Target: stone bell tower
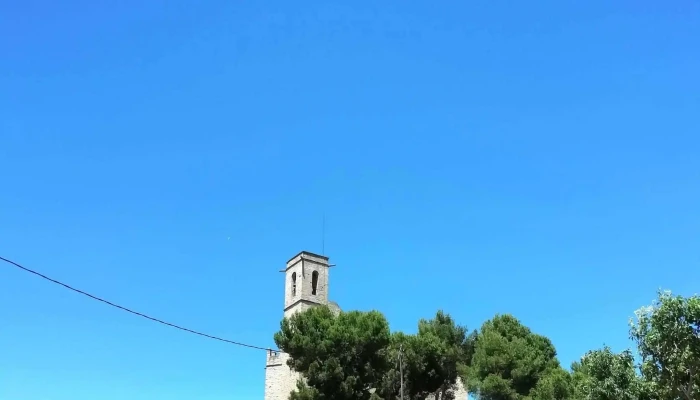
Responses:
[306,282]
[305,286]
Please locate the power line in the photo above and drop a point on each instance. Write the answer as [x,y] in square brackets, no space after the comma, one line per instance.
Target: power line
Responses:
[132,311]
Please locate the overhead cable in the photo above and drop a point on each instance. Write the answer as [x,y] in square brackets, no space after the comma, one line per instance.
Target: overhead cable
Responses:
[135,312]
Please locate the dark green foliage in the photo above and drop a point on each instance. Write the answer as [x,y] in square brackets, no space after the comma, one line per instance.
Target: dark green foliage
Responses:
[604,375]
[509,360]
[556,385]
[342,357]
[414,367]
[354,356]
[304,392]
[447,347]
[433,358]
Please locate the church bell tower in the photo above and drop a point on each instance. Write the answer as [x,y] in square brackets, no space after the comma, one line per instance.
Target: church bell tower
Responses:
[306,282]
[305,286]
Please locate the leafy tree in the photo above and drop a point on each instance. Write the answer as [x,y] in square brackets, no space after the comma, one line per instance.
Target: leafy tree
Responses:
[509,360]
[452,350]
[412,350]
[667,334]
[432,359]
[304,392]
[605,375]
[556,385]
[340,357]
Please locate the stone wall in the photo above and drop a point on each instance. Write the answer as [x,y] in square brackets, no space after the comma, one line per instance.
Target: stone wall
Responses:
[280,380]
[459,392]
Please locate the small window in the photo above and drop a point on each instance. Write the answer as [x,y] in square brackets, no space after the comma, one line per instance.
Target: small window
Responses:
[294,284]
[314,282]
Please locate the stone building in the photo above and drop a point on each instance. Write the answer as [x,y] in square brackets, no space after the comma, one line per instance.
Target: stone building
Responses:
[305,286]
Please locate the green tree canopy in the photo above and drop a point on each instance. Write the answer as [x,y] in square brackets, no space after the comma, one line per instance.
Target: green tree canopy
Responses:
[605,375]
[509,360]
[556,385]
[432,359]
[667,334]
[341,357]
[452,350]
[352,355]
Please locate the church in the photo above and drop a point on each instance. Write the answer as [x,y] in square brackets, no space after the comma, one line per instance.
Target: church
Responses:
[305,286]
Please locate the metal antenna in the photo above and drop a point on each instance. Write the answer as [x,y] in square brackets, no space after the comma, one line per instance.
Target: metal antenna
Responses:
[323,236]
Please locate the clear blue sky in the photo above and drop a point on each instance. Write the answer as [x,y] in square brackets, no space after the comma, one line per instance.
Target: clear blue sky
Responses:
[483,157]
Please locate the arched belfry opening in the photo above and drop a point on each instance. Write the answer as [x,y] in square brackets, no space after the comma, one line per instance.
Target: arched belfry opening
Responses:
[305,282]
[314,282]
